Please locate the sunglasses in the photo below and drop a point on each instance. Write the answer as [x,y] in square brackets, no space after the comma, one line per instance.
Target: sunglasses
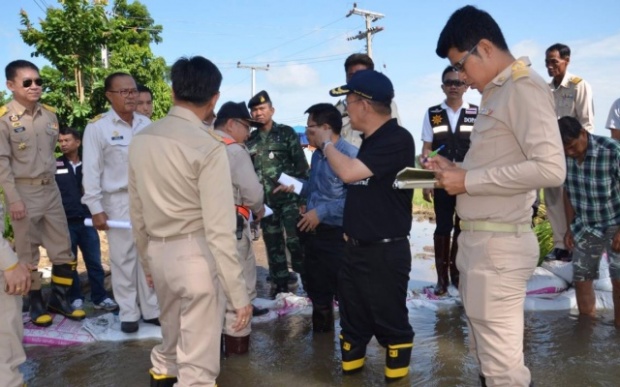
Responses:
[453,82]
[28,82]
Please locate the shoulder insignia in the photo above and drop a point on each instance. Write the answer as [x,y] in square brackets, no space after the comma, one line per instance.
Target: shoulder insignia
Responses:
[3,110]
[228,140]
[95,118]
[48,108]
[215,135]
[575,80]
[519,70]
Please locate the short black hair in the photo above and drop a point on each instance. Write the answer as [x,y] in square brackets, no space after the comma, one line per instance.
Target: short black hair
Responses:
[570,129]
[10,71]
[195,79]
[359,59]
[465,28]
[447,70]
[65,130]
[326,113]
[144,89]
[107,84]
[562,49]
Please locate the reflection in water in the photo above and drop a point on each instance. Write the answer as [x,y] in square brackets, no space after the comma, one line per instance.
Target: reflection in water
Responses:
[559,349]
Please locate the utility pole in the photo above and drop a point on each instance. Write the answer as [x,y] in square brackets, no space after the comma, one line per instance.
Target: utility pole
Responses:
[370,17]
[253,68]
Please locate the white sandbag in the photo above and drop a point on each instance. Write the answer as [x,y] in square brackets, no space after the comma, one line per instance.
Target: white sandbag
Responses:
[603,267]
[107,327]
[545,282]
[62,332]
[562,269]
[603,284]
[559,301]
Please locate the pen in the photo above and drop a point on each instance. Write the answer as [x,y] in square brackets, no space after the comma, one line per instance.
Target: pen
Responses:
[434,153]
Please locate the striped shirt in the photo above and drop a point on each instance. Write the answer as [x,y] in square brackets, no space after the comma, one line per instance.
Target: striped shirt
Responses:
[593,187]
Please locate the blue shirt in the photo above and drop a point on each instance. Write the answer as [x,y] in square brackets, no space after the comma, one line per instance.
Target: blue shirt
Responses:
[324,191]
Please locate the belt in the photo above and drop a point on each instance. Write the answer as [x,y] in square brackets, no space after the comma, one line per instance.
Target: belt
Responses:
[178,237]
[28,181]
[467,225]
[357,242]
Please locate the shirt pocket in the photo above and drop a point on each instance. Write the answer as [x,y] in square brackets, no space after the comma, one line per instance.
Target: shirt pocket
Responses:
[21,142]
[117,149]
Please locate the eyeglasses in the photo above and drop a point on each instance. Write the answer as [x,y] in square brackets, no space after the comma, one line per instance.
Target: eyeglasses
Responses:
[28,82]
[461,64]
[313,126]
[246,125]
[125,92]
[347,103]
[453,82]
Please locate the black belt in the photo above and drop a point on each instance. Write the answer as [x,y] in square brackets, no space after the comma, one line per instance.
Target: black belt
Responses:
[357,242]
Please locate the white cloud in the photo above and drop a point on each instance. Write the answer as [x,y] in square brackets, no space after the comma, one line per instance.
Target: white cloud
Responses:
[293,77]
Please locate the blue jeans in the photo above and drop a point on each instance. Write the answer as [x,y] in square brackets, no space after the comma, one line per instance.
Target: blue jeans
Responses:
[88,241]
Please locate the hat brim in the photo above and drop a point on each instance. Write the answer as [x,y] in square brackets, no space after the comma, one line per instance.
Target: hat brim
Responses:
[342,90]
[252,122]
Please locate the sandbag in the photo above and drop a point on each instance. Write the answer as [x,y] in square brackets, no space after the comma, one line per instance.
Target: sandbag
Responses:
[545,282]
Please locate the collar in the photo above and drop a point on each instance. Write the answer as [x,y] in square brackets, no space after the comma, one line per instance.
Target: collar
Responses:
[19,109]
[516,70]
[186,114]
[564,83]
[116,118]
[445,106]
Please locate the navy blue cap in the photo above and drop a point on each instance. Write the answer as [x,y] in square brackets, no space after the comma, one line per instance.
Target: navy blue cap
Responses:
[236,110]
[369,84]
[260,98]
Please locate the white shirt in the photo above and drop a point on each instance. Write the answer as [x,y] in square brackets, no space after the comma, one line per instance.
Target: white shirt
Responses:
[613,120]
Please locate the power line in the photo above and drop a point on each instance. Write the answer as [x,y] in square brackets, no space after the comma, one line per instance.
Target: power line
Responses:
[39,5]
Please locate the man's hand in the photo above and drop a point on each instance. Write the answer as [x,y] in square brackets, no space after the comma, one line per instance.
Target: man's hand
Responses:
[284,188]
[427,193]
[17,210]
[452,179]
[615,243]
[308,221]
[149,280]
[18,279]
[437,163]
[100,221]
[259,215]
[569,241]
[244,315]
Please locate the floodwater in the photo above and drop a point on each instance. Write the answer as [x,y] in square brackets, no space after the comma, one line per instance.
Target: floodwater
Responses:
[560,350]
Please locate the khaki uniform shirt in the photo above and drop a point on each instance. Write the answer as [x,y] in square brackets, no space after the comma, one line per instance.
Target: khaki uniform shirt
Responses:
[105,156]
[573,98]
[515,148]
[27,143]
[354,136]
[179,183]
[247,189]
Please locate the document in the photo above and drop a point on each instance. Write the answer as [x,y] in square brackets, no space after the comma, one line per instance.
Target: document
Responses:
[123,224]
[410,178]
[290,180]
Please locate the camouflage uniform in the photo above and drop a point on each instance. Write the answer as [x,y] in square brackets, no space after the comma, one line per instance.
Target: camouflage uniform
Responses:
[275,152]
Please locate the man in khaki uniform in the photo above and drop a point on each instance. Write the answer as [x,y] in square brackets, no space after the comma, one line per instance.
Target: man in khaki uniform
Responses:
[515,150]
[29,131]
[14,282]
[573,98]
[181,192]
[233,124]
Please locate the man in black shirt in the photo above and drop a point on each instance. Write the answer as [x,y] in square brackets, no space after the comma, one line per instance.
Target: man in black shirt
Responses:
[372,285]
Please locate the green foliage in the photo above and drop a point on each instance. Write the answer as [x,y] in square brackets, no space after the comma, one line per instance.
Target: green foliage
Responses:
[71,38]
[544,233]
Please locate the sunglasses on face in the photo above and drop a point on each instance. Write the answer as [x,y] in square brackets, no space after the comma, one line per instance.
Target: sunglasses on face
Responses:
[453,82]
[28,82]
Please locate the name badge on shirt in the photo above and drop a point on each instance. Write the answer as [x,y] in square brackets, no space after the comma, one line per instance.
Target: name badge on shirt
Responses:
[62,171]
[115,138]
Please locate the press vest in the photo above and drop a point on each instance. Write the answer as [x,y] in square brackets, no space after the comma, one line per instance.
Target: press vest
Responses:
[456,144]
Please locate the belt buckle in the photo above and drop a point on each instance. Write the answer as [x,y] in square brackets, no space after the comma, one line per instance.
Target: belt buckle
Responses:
[45,181]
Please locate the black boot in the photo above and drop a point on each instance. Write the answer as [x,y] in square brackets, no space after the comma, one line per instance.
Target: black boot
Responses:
[38,314]
[442,262]
[454,272]
[397,358]
[158,380]
[353,356]
[62,278]
[322,318]
[483,382]
[236,345]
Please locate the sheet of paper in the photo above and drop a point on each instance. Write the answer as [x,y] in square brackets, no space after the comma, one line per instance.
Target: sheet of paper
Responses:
[123,224]
[289,180]
[268,211]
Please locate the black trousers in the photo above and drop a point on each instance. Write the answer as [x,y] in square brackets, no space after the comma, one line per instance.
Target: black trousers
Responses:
[372,293]
[445,212]
[324,255]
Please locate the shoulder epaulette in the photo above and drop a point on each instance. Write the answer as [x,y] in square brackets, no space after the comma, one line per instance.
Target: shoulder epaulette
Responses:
[228,140]
[215,135]
[96,118]
[3,110]
[48,108]
[519,70]
[575,80]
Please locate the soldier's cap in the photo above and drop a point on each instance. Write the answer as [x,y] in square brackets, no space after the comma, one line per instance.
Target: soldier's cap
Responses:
[369,84]
[260,98]
[235,110]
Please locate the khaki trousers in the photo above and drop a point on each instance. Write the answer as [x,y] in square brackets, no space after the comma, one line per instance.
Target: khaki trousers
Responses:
[11,335]
[45,224]
[494,270]
[554,201]
[248,263]
[131,292]
[192,310]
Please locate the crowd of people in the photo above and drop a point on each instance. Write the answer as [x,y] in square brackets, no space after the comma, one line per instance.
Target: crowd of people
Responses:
[193,182]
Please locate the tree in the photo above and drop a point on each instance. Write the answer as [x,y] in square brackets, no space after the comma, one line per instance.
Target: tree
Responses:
[73,37]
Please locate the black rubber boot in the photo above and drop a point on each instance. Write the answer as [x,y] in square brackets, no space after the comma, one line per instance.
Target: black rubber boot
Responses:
[37,311]
[483,382]
[158,380]
[236,345]
[442,263]
[62,278]
[322,318]
[454,272]
[353,356]
[397,358]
